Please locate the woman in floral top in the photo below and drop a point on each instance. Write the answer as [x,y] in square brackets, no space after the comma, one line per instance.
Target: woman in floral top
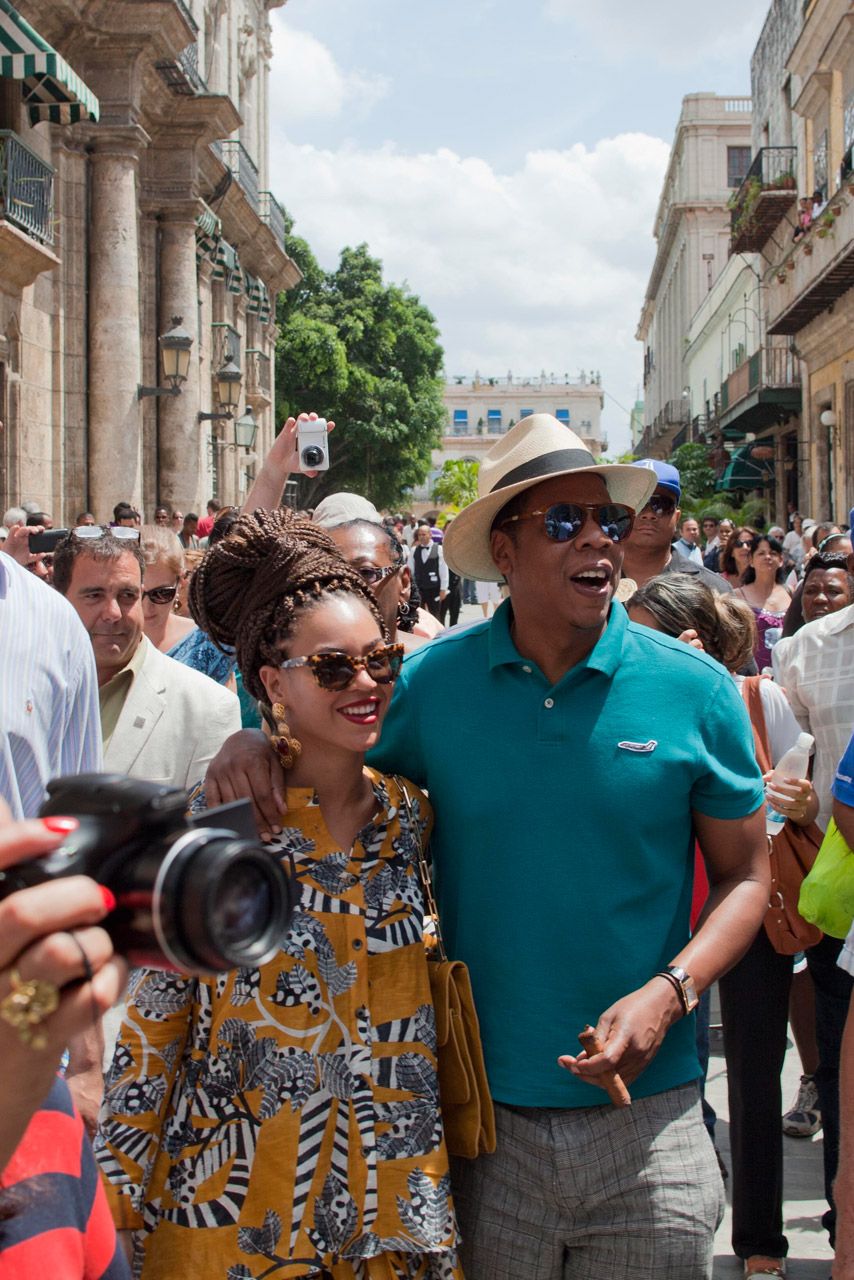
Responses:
[284,1121]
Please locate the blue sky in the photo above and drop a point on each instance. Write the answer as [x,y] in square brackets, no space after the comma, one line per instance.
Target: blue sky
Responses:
[504,159]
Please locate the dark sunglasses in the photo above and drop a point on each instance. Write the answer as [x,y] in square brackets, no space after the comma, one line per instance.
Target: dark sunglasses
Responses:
[373,575]
[743,545]
[161,595]
[661,504]
[565,520]
[337,671]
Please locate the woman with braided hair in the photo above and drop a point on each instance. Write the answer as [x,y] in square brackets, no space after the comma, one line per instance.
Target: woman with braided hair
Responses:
[284,1121]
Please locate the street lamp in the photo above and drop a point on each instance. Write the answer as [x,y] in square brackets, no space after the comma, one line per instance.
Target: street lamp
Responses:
[175,346]
[245,431]
[228,381]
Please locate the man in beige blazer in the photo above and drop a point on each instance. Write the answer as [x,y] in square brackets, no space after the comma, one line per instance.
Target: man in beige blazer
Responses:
[160,720]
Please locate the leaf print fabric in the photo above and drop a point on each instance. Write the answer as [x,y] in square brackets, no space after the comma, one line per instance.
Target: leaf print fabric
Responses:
[292,1111]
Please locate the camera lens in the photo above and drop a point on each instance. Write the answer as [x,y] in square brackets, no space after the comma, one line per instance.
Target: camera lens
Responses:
[221,903]
[243,907]
[312,455]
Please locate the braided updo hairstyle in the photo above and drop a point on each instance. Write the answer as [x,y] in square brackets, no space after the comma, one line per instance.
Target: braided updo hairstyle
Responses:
[252,586]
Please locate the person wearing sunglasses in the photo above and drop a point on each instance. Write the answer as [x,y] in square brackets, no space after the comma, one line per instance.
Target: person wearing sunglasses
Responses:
[735,555]
[563,849]
[164,569]
[380,560]
[299,1122]
[653,546]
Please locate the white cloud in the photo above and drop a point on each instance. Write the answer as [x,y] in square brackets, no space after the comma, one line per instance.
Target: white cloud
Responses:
[669,32]
[308,84]
[540,268]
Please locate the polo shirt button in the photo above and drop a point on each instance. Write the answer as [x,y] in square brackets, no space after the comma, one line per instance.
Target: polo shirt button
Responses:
[527,670]
[549,702]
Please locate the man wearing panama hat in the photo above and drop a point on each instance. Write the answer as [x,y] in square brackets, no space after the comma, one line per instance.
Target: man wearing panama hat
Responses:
[581,754]
[571,757]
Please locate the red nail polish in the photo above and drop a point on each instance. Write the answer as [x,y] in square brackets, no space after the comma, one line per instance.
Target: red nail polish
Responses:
[60,826]
[108,896]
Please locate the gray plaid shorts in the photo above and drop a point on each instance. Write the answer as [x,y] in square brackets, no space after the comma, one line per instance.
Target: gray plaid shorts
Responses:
[593,1193]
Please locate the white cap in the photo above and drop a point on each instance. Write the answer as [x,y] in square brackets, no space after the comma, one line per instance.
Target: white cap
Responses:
[338,508]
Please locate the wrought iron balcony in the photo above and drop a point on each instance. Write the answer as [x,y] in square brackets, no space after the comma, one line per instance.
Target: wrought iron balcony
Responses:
[762,389]
[274,215]
[236,158]
[26,188]
[768,191]
[226,345]
[259,382]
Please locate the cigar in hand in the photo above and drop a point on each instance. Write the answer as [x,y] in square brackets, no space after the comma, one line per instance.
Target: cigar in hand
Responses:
[611,1081]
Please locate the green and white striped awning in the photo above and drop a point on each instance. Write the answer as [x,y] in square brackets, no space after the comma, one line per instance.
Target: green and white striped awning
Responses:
[51,90]
[208,232]
[258,297]
[227,266]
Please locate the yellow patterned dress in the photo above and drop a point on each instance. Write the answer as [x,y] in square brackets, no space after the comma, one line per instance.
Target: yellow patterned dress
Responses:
[284,1121]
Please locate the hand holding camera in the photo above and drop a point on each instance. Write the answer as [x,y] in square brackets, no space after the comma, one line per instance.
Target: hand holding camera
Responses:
[58,972]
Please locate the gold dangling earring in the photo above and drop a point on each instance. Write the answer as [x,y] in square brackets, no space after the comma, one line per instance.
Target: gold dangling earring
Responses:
[288,749]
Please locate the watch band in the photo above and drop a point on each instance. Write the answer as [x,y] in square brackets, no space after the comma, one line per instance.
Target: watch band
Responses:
[682,984]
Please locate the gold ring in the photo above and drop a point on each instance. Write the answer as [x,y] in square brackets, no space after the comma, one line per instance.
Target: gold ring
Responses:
[27,1006]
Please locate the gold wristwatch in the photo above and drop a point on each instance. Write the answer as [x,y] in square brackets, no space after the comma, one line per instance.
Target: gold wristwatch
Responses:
[683,984]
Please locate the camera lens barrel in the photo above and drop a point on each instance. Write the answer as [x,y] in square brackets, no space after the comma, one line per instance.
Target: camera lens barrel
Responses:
[220,902]
[312,455]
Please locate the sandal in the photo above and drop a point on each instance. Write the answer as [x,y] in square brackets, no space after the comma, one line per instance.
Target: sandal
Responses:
[759,1265]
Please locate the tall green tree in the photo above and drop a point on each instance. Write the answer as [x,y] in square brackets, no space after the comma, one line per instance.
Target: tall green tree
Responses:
[366,354]
[456,483]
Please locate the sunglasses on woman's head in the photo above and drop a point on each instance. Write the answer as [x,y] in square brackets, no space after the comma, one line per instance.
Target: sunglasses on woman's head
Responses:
[161,595]
[661,504]
[124,532]
[565,520]
[337,671]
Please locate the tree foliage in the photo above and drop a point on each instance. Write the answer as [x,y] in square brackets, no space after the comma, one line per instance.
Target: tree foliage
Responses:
[366,354]
[697,477]
[456,484]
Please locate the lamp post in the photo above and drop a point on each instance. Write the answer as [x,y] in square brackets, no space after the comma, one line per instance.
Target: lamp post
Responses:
[175,346]
[228,381]
[245,432]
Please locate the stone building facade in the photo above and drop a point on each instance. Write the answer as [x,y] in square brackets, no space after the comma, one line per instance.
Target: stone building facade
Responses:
[803,73]
[152,205]
[479,409]
[710,155]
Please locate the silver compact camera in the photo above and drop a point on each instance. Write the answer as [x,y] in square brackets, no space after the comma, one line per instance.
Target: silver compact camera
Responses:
[313,445]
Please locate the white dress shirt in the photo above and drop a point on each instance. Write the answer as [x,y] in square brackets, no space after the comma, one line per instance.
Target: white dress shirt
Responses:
[50,721]
[816,668]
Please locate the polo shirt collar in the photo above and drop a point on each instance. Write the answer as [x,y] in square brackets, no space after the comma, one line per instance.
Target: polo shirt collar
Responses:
[604,656]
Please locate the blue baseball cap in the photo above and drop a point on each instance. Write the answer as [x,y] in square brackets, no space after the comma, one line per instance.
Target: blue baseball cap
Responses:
[667,474]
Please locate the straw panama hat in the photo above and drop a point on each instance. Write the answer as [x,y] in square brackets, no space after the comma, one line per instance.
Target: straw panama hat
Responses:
[537,448]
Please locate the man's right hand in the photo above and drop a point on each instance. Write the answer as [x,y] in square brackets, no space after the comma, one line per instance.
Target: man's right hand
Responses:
[247,768]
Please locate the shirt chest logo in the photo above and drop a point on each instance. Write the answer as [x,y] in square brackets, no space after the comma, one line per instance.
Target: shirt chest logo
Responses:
[638,748]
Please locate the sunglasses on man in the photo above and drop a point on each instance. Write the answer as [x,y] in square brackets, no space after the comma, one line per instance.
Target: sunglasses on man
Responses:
[564,520]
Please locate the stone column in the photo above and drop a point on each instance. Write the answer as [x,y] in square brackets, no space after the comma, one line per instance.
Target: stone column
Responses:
[179,455]
[115,470]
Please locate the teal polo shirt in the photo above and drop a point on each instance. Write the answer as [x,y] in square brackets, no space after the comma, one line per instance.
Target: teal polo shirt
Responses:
[563,845]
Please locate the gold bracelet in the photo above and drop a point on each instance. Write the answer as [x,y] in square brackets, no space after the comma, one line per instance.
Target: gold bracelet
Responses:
[27,1006]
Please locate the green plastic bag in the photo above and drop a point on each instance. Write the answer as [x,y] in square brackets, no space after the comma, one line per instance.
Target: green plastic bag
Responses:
[827,893]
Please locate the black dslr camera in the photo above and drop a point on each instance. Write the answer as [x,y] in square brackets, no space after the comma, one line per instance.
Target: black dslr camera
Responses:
[201,895]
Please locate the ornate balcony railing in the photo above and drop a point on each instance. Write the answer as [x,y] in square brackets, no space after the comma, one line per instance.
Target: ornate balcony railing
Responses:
[26,188]
[769,189]
[274,215]
[258,373]
[236,158]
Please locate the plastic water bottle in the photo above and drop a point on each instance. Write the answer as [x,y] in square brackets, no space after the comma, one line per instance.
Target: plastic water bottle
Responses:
[793,764]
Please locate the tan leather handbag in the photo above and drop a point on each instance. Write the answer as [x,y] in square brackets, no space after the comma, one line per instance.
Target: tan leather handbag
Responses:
[792,852]
[467,1112]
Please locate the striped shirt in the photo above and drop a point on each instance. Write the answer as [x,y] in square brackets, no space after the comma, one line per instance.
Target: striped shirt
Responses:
[816,668]
[60,1224]
[49,718]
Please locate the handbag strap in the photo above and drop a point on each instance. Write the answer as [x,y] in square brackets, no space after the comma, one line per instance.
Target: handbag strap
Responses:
[423,870]
[751,692]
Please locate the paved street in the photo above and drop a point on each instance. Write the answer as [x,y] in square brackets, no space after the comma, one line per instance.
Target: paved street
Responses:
[809,1251]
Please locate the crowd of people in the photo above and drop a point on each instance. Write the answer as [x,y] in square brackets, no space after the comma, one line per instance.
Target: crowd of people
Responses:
[587,763]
